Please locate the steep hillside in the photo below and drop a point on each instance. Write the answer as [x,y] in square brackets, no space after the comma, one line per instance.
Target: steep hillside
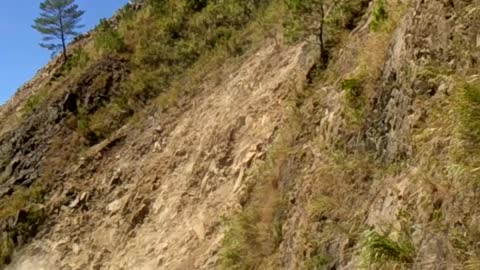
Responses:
[252,134]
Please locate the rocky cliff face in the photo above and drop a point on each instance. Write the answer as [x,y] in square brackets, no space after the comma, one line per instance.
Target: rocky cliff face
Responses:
[254,156]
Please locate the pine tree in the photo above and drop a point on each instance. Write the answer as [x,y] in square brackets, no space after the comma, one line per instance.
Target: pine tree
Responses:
[59,20]
[311,14]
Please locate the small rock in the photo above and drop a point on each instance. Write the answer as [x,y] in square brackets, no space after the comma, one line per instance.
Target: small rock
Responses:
[84,196]
[114,206]
[79,200]
[239,180]
[75,249]
[443,88]
[181,153]
[199,230]
[75,202]
[116,178]
[157,147]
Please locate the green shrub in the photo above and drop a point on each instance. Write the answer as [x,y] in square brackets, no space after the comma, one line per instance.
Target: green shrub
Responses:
[351,85]
[280,215]
[108,40]
[378,249]
[109,118]
[83,128]
[240,237]
[353,91]
[345,14]
[6,250]
[31,104]
[468,111]
[126,13]
[78,59]
[379,15]
[319,207]
[318,262]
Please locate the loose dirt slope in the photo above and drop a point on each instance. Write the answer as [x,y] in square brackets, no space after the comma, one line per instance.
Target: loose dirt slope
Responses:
[158,200]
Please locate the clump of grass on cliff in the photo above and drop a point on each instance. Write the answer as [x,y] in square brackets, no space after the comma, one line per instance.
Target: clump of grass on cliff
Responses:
[317,262]
[240,238]
[379,251]
[379,15]
[468,107]
[78,60]
[355,101]
[31,105]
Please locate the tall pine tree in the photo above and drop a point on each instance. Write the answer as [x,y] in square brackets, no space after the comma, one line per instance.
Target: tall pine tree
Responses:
[59,20]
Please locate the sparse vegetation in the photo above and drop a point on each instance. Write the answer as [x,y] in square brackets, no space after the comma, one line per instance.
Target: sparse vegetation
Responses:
[31,104]
[318,262]
[267,199]
[162,42]
[341,19]
[352,88]
[108,119]
[374,51]
[108,40]
[379,15]
[240,237]
[468,107]
[319,208]
[473,263]
[366,67]
[355,107]
[22,209]
[79,59]
[175,40]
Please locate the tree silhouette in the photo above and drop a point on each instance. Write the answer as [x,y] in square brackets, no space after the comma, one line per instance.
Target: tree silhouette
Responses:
[59,20]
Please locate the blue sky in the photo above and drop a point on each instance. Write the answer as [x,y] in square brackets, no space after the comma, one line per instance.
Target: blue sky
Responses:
[20,55]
